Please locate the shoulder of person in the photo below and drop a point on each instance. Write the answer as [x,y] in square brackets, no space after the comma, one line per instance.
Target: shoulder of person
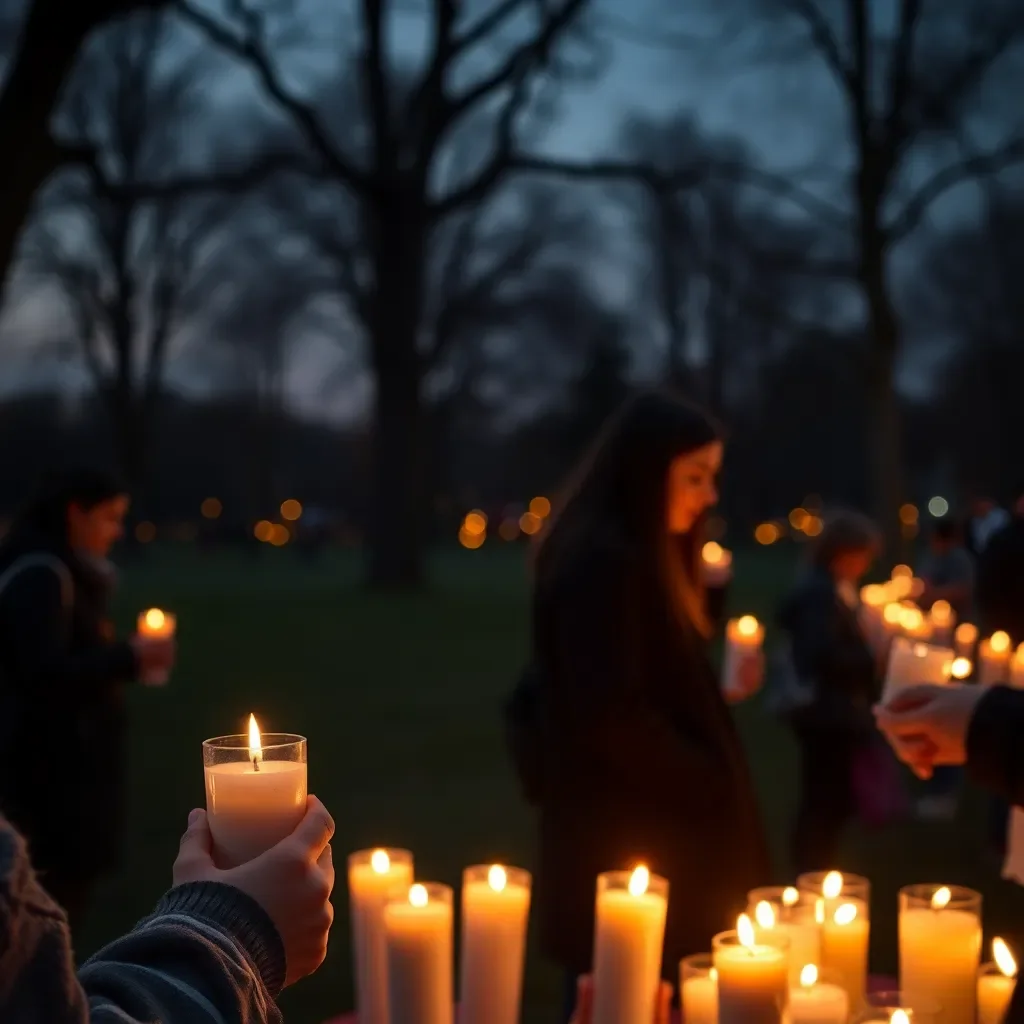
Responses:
[36,574]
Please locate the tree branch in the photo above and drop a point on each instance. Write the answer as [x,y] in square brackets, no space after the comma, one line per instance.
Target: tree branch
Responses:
[825,42]
[485,25]
[901,71]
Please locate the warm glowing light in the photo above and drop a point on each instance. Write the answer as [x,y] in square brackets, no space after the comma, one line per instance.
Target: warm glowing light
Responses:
[712,553]
[941,898]
[745,931]
[908,514]
[497,878]
[471,541]
[530,523]
[1004,958]
[966,634]
[899,1017]
[155,618]
[380,862]
[813,526]
[920,650]
[713,974]
[475,522]
[639,880]
[747,626]
[211,508]
[418,895]
[938,507]
[961,668]
[911,619]
[846,914]
[874,594]
[540,507]
[999,642]
[902,572]
[819,912]
[808,976]
[291,510]
[255,747]
[263,530]
[798,518]
[764,915]
[893,614]
[832,886]
[942,613]
[767,533]
[279,535]
[790,897]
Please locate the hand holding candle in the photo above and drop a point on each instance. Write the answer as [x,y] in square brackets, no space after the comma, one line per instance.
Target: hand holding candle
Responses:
[912,662]
[996,984]
[154,645]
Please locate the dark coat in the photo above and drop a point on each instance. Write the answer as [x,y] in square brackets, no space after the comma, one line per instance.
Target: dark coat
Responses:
[640,762]
[999,591]
[62,714]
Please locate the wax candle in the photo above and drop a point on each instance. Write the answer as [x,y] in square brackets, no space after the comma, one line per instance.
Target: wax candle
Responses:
[996,983]
[717,564]
[743,637]
[964,638]
[753,977]
[495,907]
[698,989]
[994,659]
[374,876]
[255,791]
[418,934]
[159,625]
[911,662]
[942,619]
[792,914]
[1017,668]
[815,1001]
[897,1008]
[940,948]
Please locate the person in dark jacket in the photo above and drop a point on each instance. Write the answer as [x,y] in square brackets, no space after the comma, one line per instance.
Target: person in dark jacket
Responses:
[62,681]
[639,758]
[832,658]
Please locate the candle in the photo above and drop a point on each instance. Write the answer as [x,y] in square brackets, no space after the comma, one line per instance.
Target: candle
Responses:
[628,939]
[873,600]
[964,638]
[1017,668]
[901,584]
[418,934]
[942,621]
[940,948]
[911,663]
[698,989]
[892,619]
[996,982]
[898,1008]
[157,625]
[753,977]
[255,791]
[743,637]
[813,1001]
[792,913]
[495,907]
[913,623]
[717,564]
[994,659]
[374,876]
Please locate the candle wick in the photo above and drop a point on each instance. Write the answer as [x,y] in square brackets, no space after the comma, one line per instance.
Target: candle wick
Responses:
[256,764]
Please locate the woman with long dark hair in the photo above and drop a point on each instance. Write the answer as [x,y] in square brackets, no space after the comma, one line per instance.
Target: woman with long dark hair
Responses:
[62,679]
[636,757]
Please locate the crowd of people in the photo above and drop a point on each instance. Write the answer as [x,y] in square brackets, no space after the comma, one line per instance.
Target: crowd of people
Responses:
[620,732]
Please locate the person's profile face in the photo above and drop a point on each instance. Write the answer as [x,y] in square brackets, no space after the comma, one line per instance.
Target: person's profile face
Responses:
[95,530]
[692,486]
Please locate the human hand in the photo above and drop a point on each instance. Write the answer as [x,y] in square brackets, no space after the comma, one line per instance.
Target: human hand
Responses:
[291,881]
[154,655]
[583,1014]
[749,677]
[927,725]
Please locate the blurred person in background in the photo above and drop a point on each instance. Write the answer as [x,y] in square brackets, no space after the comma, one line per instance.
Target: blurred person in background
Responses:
[62,682]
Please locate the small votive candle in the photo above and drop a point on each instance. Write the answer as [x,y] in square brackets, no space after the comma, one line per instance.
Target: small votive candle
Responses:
[753,977]
[156,624]
[942,621]
[792,913]
[698,989]
[898,1008]
[996,984]
[994,659]
[964,639]
[717,564]
[743,637]
[816,1000]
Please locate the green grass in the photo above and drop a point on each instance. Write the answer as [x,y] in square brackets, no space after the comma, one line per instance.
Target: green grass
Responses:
[399,698]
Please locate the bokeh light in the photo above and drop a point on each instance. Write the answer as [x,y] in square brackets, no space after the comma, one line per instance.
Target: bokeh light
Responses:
[813,525]
[540,507]
[475,523]
[938,506]
[798,518]
[211,508]
[767,533]
[470,539]
[263,530]
[279,535]
[908,515]
[530,523]
[291,510]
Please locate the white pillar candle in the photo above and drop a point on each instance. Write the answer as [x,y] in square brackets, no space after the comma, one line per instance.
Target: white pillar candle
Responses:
[792,914]
[495,908]
[159,625]
[996,984]
[940,948]
[1017,668]
[717,564]
[912,662]
[698,989]
[943,620]
[965,636]
[373,877]
[419,935]
[994,659]
[743,637]
[814,1001]
[255,792]
[753,977]
[629,937]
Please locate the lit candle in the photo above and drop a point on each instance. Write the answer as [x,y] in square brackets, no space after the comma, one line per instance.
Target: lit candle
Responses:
[913,623]
[717,564]
[157,625]
[743,637]
[698,989]
[418,933]
[255,791]
[964,639]
[495,907]
[813,1001]
[943,620]
[753,977]
[911,663]
[374,876]
[940,948]
[629,937]
[873,599]
[994,659]
[792,914]
[996,983]
[1017,668]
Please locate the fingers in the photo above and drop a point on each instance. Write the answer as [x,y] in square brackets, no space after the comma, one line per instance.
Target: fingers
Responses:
[325,863]
[315,830]
[195,860]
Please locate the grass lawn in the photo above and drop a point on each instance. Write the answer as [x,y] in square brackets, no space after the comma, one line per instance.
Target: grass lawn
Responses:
[399,698]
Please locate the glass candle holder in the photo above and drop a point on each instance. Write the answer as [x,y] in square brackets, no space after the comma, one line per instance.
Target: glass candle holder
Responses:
[995,990]
[792,912]
[255,792]
[898,1008]
[940,947]
[495,908]
[753,979]
[419,933]
[698,989]
[818,997]
[373,876]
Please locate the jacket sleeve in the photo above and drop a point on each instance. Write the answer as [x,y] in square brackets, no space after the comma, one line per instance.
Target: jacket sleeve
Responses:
[995,753]
[601,702]
[36,647]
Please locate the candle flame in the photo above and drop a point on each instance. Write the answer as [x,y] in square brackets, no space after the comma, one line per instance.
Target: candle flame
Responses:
[764,915]
[899,1017]
[497,878]
[155,618]
[1004,958]
[941,898]
[255,747]
[846,914]
[966,633]
[819,912]
[832,886]
[380,862]
[418,895]
[712,553]
[639,880]
[961,668]
[942,612]
[999,642]
[747,626]
[745,931]
[790,897]
[808,976]
[892,613]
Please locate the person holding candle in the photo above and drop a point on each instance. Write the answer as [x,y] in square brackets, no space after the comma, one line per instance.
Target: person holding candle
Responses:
[832,657]
[638,760]
[62,679]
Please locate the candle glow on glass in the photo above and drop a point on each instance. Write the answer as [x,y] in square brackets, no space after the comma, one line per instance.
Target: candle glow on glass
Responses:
[846,914]
[808,975]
